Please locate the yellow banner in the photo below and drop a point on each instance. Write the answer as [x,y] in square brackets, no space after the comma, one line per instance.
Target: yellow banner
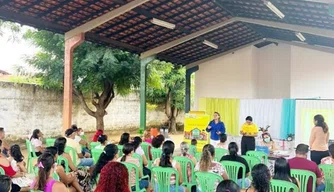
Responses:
[195,124]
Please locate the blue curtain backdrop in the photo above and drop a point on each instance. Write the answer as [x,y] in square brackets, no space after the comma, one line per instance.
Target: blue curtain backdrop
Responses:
[288,117]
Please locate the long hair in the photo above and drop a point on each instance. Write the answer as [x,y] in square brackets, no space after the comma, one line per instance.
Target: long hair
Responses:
[5,183]
[228,186]
[147,134]
[331,150]
[45,163]
[218,115]
[52,150]
[60,144]
[233,149]
[35,134]
[136,142]
[125,138]
[320,121]
[261,178]
[15,152]
[114,177]
[206,158]
[109,153]
[271,139]
[102,139]
[157,141]
[167,153]
[282,170]
[184,148]
[128,148]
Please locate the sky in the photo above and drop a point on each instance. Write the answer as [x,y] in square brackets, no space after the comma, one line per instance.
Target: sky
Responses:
[13,53]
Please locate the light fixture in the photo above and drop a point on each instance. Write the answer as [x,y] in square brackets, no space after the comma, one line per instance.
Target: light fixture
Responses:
[210,44]
[163,23]
[300,36]
[274,9]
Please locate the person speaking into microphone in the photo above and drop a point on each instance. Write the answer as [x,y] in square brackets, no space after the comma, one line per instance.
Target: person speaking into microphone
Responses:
[216,127]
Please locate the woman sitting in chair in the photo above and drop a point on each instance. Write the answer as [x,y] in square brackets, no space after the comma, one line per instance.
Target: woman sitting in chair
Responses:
[268,142]
[282,171]
[103,139]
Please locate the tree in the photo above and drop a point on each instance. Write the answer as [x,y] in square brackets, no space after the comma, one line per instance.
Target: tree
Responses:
[98,71]
[14,30]
[169,89]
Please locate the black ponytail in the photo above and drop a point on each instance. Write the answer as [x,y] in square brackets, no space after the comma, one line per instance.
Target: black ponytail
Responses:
[233,149]
[167,153]
[127,149]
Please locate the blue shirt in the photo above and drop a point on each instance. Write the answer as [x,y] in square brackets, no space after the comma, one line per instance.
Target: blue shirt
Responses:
[219,127]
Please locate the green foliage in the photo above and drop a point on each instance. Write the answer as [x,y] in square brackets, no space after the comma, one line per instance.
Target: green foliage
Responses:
[167,78]
[13,28]
[93,65]
[25,80]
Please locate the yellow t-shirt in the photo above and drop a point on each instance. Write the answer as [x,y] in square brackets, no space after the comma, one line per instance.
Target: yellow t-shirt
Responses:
[249,129]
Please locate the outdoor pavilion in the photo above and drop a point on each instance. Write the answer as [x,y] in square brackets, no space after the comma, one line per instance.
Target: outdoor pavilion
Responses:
[224,25]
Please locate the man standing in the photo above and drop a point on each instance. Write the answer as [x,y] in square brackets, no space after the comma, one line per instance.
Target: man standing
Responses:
[84,160]
[301,162]
[216,128]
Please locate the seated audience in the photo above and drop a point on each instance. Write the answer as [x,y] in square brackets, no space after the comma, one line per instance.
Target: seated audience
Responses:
[147,137]
[185,152]
[282,171]
[128,150]
[36,142]
[6,184]
[70,180]
[17,159]
[222,141]
[125,138]
[233,156]
[5,146]
[60,144]
[103,139]
[83,160]
[268,142]
[44,181]
[20,182]
[114,177]
[109,154]
[158,141]
[139,150]
[301,162]
[166,160]
[261,179]
[330,159]
[193,147]
[82,142]
[228,186]
[82,134]
[207,163]
[97,134]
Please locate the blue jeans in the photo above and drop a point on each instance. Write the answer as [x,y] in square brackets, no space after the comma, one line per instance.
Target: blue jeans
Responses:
[247,183]
[143,184]
[172,188]
[86,162]
[320,188]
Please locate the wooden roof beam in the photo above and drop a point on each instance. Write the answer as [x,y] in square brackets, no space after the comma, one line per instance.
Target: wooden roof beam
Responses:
[185,38]
[104,18]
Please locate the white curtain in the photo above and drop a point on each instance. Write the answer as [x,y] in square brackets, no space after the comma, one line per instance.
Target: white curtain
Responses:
[305,112]
[264,112]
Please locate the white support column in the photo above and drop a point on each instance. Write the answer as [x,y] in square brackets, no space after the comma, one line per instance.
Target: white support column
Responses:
[104,18]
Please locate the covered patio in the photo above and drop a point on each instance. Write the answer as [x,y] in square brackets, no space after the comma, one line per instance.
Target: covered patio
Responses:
[184,32]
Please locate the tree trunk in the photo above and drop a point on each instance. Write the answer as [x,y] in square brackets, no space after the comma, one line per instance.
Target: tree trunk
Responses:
[99,122]
[172,125]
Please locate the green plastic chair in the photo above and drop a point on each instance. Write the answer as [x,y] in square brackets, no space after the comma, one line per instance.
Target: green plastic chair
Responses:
[328,171]
[147,148]
[282,186]
[186,163]
[132,167]
[94,144]
[72,153]
[31,156]
[219,153]
[140,158]
[208,181]
[161,178]
[232,169]
[50,142]
[260,155]
[304,176]
[198,156]
[156,153]
[192,150]
[120,150]
[63,161]
[2,172]
[96,154]
[252,161]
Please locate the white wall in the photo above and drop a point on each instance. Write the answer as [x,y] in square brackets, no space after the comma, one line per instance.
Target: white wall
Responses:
[271,72]
[230,76]
[312,73]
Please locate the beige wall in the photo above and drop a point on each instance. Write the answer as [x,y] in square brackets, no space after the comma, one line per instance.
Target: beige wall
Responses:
[274,71]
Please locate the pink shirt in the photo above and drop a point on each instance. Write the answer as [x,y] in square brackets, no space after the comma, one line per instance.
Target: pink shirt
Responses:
[319,139]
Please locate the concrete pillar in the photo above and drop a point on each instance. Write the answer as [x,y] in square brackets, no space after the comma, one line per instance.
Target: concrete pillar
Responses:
[188,88]
[70,45]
